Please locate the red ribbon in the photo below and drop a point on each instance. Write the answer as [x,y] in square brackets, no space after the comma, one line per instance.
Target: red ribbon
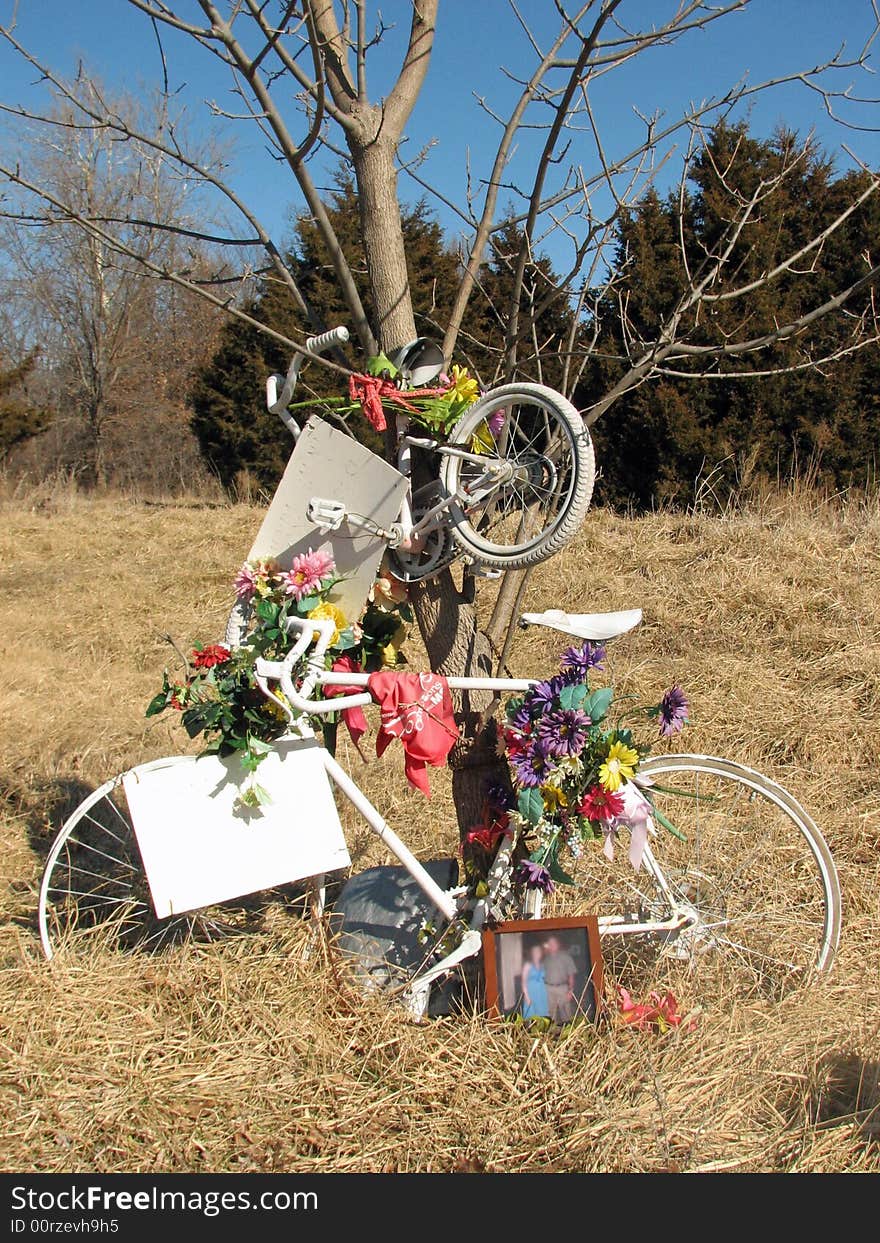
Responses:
[372,390]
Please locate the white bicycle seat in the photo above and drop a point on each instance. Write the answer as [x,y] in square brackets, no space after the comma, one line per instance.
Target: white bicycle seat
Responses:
[594,626]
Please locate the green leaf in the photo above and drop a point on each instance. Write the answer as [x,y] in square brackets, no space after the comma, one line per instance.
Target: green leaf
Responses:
[306,605]
[346,640]
[406,612]
[667,824]
[597,704]
[267,611]
[557,873]
[380,363]
[513,706]
[158,704]
[531,804]
[571,697]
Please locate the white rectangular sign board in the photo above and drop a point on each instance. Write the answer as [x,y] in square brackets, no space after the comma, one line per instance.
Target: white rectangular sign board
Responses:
[199,849]
[326,463]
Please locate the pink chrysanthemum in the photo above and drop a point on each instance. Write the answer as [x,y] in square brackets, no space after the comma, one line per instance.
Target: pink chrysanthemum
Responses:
[307,573]
[245,582]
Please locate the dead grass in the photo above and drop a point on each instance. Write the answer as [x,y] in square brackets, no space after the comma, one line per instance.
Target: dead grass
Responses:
[240,1056]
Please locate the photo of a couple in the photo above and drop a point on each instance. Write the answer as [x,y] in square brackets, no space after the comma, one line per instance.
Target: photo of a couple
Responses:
[544,969]
[548,980]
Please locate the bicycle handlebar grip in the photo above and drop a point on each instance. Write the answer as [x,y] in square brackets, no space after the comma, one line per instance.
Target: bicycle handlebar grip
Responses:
[327,340]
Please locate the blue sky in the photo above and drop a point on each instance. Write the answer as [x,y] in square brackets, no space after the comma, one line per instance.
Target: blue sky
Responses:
[770,38]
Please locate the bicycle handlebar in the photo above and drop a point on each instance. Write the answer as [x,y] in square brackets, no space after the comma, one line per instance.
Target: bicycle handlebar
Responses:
[278,401]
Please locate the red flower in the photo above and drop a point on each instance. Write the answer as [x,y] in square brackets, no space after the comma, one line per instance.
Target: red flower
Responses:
[599,804]
[208,657]
[486,835]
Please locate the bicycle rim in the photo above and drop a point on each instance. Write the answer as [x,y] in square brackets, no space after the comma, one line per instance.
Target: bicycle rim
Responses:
[95,891]
[754,874]
[541,441]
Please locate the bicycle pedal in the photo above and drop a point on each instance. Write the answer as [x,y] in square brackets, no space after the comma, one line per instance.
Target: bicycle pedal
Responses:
[326,514]
[485,571]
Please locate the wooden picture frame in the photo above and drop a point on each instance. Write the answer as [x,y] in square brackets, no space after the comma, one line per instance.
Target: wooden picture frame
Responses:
[516,952]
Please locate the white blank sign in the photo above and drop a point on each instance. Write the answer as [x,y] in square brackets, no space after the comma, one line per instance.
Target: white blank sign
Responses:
[327,463]
[198,849]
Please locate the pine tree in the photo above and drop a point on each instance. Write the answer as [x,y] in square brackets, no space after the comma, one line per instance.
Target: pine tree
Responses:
[18,420]
[661,437]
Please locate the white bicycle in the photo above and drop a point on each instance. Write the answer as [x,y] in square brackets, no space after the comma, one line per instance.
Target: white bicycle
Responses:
[513,479]
[746,899]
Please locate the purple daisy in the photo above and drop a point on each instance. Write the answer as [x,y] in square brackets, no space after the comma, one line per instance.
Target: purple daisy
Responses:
[565,731]
[543,696]
[522,718]
[673,711]
[534,876]
[533,767]
[581,660]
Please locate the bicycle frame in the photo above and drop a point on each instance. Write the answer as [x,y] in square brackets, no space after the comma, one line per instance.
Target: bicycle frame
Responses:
[446,901]
[405,534]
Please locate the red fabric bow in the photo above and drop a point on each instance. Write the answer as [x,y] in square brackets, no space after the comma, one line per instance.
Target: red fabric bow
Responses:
[372,390]
[417,709]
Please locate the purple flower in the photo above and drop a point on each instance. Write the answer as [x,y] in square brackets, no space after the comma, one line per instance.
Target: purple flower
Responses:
[522,718]
[496,421]
[673,711]
[534,876]
[543,695]
[533,767]
[565,731]
[581,660]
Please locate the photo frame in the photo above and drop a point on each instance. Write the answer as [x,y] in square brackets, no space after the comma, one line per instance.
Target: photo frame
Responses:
[544,969]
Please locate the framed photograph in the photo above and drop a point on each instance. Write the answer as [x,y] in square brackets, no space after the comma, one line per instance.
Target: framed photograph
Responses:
[544,968]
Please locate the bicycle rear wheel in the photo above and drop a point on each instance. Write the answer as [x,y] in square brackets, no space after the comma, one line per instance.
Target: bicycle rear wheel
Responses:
[755,875]
[547,453]
[94,887]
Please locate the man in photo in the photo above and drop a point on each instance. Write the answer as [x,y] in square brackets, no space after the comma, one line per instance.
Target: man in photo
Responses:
[559,973]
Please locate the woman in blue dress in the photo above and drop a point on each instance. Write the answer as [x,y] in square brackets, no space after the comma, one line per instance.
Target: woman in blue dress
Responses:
[534,988]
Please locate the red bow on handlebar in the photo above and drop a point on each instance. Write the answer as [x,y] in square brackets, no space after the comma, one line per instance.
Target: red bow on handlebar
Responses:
[372,390]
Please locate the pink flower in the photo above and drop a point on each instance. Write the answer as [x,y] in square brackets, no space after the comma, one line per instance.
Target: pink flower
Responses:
[307,573]
[245,582]
[496,421]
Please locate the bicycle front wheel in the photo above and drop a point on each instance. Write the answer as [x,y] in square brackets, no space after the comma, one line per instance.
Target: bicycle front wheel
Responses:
[95,889]
[754,875]
[546,464]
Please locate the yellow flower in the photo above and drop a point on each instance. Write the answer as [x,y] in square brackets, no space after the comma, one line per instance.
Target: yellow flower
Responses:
[330,612]
[273,709]
[463,387]
[482,440]
[553,797]
[620,766]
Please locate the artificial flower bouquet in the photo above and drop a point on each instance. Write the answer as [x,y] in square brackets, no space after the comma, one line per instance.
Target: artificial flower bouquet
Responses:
[219,697]
[436,408]
[574,774]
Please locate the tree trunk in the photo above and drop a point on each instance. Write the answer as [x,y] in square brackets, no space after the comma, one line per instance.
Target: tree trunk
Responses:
[448,623]
[382,232]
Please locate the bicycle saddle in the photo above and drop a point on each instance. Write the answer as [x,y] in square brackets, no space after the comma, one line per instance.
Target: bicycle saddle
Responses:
[594,626]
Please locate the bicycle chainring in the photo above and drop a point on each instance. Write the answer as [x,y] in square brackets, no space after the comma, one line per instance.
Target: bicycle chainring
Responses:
[438,549]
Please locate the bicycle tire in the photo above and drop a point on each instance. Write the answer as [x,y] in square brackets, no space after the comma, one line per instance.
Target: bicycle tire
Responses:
[94,888]
[755,870]
[532,517]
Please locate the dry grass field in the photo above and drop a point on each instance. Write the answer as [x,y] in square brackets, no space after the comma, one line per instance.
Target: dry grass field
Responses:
[240,1056]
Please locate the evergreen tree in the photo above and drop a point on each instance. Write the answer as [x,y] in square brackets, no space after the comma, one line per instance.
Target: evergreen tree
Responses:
[235,431]
[659,438]
[18,420]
